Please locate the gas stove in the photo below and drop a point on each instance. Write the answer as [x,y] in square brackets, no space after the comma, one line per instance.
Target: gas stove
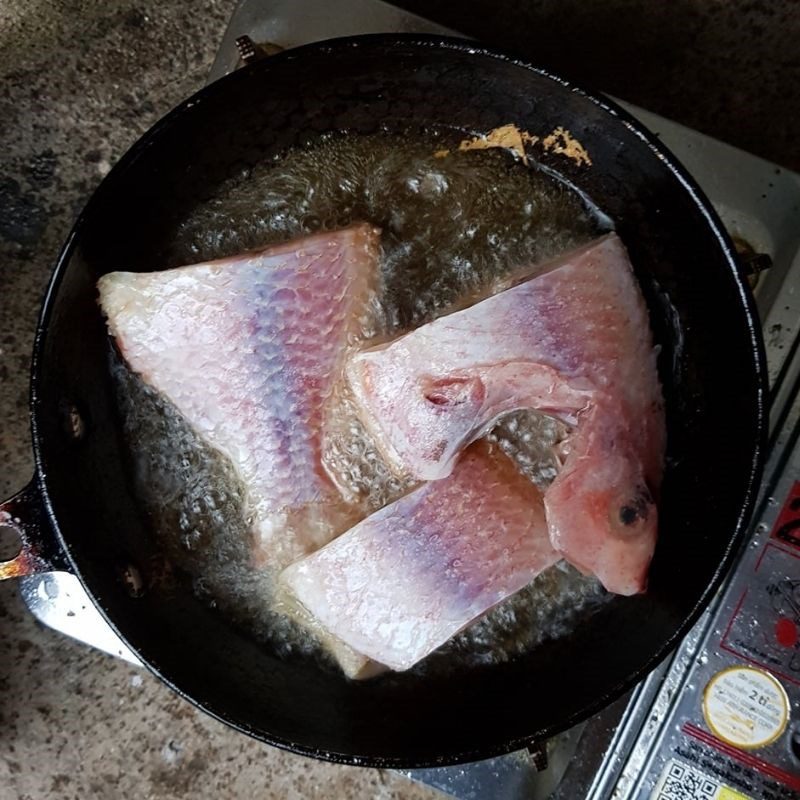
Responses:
[720,718]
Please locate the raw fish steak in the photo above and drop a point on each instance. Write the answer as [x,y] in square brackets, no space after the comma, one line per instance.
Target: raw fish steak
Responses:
[410,576]
[246,348]
[573,342]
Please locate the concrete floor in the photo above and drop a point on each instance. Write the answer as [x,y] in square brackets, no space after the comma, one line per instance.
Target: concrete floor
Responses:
[79,82]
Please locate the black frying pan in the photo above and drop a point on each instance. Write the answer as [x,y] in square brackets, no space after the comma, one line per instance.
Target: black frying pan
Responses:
[80,511]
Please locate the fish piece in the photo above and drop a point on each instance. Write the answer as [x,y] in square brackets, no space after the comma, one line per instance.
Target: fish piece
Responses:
[573,342]
[410,576]
[247,348]
[352,663]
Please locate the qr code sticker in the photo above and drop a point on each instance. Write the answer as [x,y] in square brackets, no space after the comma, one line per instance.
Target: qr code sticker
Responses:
[682,782]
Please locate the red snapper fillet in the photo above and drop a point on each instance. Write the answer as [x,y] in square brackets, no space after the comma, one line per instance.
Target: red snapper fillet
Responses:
[246,348]
[573,342]
[410,576]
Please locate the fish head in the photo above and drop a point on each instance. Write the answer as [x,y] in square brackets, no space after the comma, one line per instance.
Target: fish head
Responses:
[602,515]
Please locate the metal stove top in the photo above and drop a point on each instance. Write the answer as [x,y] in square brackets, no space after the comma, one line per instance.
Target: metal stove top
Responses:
[720,718]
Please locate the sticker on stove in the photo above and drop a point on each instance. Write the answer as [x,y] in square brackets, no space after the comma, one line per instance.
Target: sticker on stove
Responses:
[745,707]
[748,772]
[680,781]
[787,527]
[765,627]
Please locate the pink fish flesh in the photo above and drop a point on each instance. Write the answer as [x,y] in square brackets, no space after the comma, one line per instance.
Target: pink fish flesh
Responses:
[410,576]
[573,342]
[246,348]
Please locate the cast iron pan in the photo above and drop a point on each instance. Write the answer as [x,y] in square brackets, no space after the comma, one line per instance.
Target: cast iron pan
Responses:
[80,511]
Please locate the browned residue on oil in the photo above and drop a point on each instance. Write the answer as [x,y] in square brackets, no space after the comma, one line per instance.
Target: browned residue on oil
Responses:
[510,137]
[561,141]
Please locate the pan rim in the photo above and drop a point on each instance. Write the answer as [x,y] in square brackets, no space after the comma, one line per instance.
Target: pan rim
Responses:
[699,200]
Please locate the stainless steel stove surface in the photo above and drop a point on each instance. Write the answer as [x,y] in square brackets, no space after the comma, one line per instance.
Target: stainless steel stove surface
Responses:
[720,719]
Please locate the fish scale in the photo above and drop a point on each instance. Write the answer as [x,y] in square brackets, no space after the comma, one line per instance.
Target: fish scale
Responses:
[574,342]
[249,367]
[413,574]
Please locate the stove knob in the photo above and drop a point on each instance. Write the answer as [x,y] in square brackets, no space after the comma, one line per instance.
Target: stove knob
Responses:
[786,632]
